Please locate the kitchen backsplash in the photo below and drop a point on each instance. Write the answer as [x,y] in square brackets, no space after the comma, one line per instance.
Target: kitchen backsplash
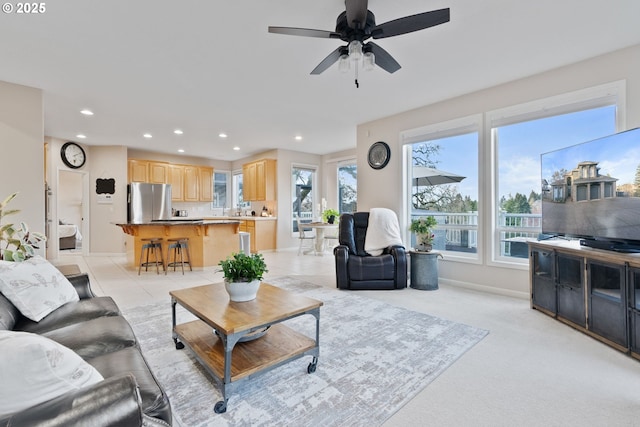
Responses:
[204,209]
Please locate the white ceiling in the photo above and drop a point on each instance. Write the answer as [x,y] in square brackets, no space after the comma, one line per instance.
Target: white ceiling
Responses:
[210,66]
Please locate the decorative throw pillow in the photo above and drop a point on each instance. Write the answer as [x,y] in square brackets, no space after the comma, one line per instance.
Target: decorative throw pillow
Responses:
[35,287]
[35,369]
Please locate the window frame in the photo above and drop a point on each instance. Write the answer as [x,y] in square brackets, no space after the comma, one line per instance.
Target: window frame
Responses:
[315,209]
[610,94]
[450,128]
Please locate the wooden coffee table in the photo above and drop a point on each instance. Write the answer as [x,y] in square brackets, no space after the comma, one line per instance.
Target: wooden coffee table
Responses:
[223,338]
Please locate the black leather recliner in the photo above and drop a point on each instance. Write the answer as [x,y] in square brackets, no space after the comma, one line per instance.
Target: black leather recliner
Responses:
[356,269]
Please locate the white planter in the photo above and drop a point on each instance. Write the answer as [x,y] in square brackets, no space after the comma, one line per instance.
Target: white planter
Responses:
[242,291]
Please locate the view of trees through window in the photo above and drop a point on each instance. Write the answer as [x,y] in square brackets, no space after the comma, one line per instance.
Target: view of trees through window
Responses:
[518,148]
[348,188]
[444,184]
[302,194]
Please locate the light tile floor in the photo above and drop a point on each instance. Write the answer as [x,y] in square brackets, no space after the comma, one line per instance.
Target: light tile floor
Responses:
[530,369]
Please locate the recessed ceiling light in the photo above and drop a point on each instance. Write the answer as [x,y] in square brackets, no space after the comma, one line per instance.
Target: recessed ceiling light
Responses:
[298,138]
[86,112]
[81,136]
[222,135]
[147,135]
[178,132]
[236,148]
[180,150]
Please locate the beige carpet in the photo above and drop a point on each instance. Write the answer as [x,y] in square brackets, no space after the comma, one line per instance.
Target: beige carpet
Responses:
[374,358]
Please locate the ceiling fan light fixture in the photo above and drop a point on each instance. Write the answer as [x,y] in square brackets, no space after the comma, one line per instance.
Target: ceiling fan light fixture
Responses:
[343,63]
[355,50]
[369,61]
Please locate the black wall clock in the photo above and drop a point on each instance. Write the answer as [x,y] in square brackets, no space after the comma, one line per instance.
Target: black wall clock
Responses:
[73,155]
[379,155]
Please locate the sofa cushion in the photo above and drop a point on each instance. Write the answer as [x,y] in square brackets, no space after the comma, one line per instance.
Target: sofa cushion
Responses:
[35,369]
[372,267]
[70,313]
[35,287]
[9,314]
[95,337]
[130,360]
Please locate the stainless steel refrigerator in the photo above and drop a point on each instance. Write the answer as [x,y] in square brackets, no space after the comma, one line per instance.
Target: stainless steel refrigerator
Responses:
[149,202]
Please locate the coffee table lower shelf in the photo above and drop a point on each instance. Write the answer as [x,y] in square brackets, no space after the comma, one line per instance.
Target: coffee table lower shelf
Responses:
[279,345]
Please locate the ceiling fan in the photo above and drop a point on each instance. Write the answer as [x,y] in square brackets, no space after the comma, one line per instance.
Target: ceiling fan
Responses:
[356,25]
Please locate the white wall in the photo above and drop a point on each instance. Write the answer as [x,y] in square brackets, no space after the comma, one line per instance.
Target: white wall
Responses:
[22,153]
[380,188]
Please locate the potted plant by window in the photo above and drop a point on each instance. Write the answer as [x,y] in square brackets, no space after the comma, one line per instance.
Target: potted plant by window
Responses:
[242,275]
[423,227]
[330,215]
[17,243]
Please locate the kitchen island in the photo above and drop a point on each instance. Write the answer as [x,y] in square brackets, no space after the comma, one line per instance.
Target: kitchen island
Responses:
[210,241]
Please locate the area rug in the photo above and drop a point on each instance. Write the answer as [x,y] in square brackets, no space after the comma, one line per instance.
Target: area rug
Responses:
[374,358]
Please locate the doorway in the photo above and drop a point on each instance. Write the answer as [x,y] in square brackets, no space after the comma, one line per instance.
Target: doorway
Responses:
[72,209]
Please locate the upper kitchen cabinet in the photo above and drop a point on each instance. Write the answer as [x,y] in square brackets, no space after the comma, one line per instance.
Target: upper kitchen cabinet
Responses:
[191,188]
[158,173]
[205,181]
[138,170]
[189,183]
[176,179]
[259,180]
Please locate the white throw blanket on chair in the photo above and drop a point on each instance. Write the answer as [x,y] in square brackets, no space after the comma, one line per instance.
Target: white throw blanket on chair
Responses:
[383,231]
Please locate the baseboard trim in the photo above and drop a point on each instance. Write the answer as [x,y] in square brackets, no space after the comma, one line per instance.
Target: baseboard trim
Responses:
[484,288]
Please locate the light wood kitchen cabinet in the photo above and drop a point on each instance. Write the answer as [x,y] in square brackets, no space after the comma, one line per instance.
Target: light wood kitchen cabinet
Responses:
[259,180]
[191,189]
[158,173]
[205,181]
[262,232]
[176,179]
[189,183]
[249,182]
[138,170]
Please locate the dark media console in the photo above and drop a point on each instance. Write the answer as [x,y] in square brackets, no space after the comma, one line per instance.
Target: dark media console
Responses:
[594,291]
[609,245]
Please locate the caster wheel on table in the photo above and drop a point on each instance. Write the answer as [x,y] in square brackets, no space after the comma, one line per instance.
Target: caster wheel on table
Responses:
[221,407]
[311,368]
[179,345]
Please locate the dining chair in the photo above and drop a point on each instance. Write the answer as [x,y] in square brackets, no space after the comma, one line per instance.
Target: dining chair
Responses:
[306,235]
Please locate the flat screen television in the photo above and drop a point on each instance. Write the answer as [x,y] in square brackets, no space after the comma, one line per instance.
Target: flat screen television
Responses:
[591,191]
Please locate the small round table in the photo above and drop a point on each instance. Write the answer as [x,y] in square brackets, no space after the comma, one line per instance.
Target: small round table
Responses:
[424,270]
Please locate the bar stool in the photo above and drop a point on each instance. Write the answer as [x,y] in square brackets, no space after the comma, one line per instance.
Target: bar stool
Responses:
[153,245]
[178,246]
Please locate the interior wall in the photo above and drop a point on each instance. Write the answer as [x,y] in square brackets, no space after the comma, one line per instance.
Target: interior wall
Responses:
[379,188]
[22,153]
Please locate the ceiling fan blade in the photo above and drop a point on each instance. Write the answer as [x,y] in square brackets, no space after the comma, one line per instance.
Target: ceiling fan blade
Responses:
[356,13]
[305,32]
[409,24]
[383,59]
[328,61]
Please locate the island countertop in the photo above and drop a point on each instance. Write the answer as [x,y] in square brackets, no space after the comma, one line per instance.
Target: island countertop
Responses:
[210,240]
[173,222]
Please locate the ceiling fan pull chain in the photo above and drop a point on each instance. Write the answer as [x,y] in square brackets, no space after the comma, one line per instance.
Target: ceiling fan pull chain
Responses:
[356,79]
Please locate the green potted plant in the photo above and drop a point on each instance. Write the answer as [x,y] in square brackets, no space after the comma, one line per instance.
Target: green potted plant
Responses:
[423,227]
[17,243]
[242,275]
[330,215]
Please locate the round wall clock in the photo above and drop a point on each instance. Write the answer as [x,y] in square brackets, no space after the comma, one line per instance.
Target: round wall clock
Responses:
[73,155]
[379,154]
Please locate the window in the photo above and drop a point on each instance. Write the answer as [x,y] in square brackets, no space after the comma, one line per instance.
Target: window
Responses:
[518,147]
[303,194]
[442,174]
[347,187]
[220,184]
[238,202]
